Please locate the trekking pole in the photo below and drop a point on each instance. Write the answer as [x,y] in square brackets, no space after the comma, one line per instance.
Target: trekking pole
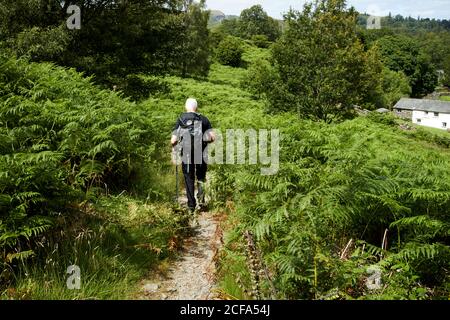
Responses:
[176,173]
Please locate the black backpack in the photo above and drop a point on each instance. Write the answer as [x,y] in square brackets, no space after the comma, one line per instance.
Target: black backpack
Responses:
[191,129]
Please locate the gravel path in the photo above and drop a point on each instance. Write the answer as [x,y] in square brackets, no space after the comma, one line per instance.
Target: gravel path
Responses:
[191,277]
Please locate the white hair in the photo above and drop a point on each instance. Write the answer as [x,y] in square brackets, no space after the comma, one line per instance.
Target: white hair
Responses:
[191,104]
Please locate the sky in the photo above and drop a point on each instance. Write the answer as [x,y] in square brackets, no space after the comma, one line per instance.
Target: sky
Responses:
[439,9]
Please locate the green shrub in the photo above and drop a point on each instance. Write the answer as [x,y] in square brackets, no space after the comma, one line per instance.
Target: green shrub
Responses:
[63,141]
[383,118]
[215,37]
[441,139]
[139,87]
[259,78]
[261,41]
[229,52]
[40,44]
[353,181]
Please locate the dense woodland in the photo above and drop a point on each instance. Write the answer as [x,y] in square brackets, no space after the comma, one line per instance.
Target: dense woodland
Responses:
[85,172]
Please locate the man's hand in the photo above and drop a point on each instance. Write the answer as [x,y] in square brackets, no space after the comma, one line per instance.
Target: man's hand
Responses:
[174,140]
[211,136]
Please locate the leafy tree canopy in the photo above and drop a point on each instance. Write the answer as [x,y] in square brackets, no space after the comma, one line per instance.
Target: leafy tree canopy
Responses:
[320,67]
[402,53]
[255,21]
[116,38]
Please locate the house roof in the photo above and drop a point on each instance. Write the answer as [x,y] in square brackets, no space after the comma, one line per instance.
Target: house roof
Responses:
[423,105]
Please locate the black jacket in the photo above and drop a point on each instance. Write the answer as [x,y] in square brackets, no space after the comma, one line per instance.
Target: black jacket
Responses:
[185,117]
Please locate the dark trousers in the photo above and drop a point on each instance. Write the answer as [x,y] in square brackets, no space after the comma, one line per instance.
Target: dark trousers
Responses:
[190,172]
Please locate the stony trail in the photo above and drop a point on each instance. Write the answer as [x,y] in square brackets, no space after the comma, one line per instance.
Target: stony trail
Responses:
[191,276]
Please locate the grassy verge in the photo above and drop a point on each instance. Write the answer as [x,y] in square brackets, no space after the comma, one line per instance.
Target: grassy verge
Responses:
[115,242]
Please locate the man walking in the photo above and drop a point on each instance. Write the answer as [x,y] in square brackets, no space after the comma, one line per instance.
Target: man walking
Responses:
[192,133]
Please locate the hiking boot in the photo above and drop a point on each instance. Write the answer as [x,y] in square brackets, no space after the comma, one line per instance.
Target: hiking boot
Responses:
[194,218]
[201,193]
[202,207]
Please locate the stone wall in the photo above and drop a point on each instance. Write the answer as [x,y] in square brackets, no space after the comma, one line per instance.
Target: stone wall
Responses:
[406,114]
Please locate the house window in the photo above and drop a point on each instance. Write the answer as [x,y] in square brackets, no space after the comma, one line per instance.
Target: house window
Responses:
[444,125]
[419,120]
[436,114]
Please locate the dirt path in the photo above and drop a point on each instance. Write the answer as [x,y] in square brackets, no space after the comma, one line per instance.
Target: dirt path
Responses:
[191,277]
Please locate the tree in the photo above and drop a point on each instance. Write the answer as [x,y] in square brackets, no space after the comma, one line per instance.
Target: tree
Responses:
[117,38]
[230,52]
[435,45]
[321,68]
[255,21]
[394,86]
[446,80]
[195,50]
[230,27]
[402,53]
[18,15]
[42,44]
[369,36]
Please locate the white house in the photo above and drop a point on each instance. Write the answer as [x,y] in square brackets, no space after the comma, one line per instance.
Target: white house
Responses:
[428,113]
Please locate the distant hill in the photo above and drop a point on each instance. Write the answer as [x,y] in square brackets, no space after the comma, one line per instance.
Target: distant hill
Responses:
[217,17]
[392,21]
